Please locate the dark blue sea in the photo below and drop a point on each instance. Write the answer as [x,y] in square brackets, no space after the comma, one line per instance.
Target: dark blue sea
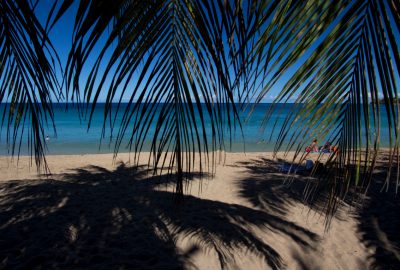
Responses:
[74,137]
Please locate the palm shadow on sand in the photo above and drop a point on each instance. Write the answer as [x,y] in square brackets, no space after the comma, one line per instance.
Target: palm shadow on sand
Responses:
[377,216]
[269,189]
[93,218]
[379,219]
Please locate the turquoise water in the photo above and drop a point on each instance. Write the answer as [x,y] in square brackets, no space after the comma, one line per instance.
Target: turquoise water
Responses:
[74,137]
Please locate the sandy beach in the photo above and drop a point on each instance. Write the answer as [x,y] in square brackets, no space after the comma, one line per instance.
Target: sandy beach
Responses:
[93,213]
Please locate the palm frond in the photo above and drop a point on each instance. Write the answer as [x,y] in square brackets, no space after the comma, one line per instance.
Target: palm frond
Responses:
[164,58]
[339,88]
[28,80]
[285,31]
[178,65]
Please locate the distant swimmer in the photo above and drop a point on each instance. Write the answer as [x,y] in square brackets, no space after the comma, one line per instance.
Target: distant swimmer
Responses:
[47,138]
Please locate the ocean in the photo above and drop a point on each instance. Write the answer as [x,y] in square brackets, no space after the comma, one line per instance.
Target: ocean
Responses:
[73,136]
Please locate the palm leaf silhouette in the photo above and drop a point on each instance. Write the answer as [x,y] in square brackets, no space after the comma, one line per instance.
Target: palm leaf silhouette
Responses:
[165,58]
[28,79]
[339,88]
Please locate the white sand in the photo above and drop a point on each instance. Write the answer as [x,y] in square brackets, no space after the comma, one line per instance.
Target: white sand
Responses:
[244,214]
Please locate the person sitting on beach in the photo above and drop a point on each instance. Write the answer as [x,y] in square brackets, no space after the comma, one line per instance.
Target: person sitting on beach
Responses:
[326,148]
[334,149]
[313,147]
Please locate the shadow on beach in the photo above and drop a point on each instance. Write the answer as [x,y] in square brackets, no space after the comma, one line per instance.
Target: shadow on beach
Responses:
[379,224]
[379,218]
[271,190]
[378,215]
[100,219]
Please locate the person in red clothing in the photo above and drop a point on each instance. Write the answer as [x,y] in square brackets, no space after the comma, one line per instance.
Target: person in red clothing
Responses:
[313,147]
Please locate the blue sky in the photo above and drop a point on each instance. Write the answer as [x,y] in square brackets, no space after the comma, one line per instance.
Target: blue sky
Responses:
[61,36]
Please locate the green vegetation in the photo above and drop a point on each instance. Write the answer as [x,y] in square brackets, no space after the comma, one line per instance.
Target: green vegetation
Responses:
[383,101]
[333,56]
